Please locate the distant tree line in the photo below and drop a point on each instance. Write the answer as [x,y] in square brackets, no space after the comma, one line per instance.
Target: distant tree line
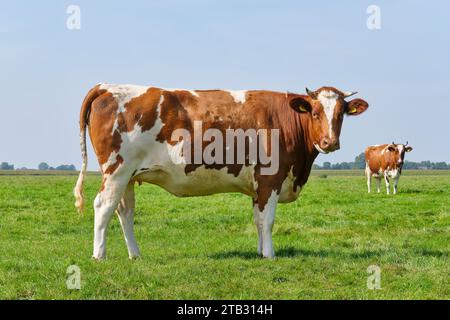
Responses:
[6,166]
[360,163]
[41,166]
[66,167]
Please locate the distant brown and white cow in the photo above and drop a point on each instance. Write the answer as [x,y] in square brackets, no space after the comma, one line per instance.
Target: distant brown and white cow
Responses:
[386,161]
[132,130]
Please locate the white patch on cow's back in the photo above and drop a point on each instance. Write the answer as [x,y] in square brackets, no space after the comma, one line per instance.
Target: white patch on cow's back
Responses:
[123,93]
[238,95]
[328,100]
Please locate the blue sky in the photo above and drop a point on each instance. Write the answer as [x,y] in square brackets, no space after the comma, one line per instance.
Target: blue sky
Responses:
[402,70]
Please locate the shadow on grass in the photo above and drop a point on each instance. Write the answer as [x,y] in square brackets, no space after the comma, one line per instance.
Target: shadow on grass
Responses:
[432,253]
[291,252]
[410,191]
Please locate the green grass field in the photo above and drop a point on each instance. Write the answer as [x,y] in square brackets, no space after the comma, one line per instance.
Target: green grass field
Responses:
[205,248]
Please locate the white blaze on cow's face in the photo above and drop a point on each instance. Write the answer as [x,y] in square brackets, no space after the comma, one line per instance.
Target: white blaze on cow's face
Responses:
[401,151]
[329,100]
[402,148]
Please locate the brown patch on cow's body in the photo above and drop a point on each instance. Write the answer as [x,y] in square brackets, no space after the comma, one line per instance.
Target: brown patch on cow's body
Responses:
[214,108]
[174,115]
[101,122]
[141,110]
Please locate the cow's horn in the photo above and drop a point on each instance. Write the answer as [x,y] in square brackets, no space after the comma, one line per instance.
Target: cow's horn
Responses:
[311,93]
[349,93]
[406,143]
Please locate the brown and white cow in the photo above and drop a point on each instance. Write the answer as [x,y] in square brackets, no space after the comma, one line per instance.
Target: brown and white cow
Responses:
[386,161]
[132,132]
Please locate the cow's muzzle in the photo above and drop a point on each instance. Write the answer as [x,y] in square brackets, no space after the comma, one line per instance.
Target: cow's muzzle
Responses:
[329,144]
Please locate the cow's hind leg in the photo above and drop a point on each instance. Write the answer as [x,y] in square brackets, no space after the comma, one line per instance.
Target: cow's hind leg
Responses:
[126,216]
[105,204]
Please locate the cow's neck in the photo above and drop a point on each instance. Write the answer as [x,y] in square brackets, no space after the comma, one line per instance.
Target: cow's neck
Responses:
[305,151]
[298,148]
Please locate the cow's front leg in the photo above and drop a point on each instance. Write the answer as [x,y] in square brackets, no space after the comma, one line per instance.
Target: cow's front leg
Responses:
[126,217]
[258,219]
[264,216]
[396,183]
[386,179]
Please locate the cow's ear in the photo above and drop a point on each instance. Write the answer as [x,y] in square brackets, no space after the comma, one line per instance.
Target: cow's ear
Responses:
[408,149]
[300,103]
[356,107]
[391,148]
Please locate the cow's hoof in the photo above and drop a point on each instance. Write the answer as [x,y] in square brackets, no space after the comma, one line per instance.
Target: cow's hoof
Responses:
[269,255]
[99,258]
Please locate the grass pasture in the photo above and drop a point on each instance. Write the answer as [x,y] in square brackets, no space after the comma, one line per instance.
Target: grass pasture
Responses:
[206,247]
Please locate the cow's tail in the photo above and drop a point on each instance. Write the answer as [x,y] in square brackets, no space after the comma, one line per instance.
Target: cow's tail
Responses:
[84,116]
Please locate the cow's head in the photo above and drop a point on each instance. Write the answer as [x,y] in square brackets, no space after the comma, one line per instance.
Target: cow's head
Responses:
[398,152]
[325,108]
